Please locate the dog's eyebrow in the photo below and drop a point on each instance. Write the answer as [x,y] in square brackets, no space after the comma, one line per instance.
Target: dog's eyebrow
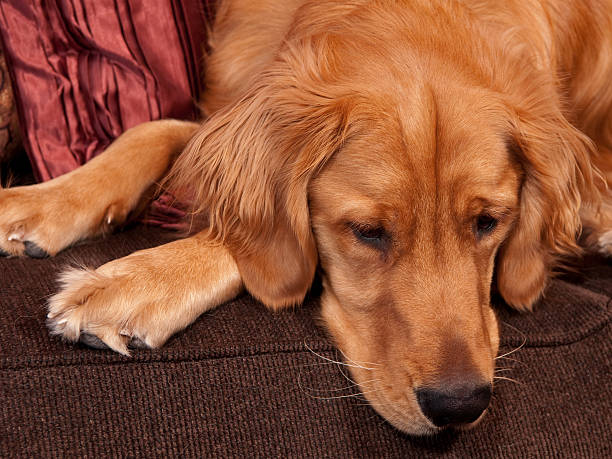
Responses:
[363,211]
[499,210]
[496,206]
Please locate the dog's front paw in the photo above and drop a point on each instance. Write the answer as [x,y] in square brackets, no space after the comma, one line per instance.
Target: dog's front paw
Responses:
[106,308]
[144,298]
[22,225]
[40,220]
[604,243]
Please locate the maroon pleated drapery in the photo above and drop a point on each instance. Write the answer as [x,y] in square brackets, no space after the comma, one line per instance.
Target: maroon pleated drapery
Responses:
[84,71]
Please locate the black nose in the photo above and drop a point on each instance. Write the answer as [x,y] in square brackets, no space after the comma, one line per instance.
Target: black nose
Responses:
[454,405]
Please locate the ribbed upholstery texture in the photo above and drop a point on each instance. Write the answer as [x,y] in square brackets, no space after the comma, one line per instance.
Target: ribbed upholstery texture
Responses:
[245,382]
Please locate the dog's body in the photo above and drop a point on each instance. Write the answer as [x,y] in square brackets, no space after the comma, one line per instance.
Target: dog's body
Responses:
[405,147]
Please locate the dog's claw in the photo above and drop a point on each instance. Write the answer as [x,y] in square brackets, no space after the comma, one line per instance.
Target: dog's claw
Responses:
[92,341]
[34,251]
[16,236]
[137,343]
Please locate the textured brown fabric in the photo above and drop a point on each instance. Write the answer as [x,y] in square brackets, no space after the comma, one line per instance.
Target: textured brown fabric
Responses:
[242,381]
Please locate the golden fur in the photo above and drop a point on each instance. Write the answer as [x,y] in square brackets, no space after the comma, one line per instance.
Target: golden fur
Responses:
[377,140]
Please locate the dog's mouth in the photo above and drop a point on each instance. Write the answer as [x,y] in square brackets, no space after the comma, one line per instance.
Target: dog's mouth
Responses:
[416,423]
[428,411]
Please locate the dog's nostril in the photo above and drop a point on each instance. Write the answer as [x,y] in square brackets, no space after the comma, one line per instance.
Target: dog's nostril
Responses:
[454,405]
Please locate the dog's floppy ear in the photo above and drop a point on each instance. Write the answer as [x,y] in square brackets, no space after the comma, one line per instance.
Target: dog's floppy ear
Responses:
[558,178]
[248,169]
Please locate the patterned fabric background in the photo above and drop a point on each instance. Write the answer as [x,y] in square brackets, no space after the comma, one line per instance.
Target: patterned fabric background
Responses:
[9,125]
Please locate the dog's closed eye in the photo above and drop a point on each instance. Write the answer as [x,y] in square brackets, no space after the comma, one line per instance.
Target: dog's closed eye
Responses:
[484,225]
[372,235]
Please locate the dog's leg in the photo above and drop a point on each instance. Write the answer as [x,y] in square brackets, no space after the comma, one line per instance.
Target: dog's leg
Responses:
[597,227]
[597,222]
[146,297]
[42,219]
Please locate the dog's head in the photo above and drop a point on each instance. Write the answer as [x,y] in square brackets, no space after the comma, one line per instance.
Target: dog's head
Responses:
[409,184]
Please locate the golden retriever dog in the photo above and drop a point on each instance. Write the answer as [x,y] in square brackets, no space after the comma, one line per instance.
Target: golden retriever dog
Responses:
[414,151]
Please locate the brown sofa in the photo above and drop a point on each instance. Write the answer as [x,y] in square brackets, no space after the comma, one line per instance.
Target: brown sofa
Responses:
[243,381]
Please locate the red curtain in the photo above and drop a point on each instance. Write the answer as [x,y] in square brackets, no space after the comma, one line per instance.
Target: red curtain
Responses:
[84,71]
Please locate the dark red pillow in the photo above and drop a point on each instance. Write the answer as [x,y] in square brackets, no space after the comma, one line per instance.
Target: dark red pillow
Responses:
[84,71]
[9,125]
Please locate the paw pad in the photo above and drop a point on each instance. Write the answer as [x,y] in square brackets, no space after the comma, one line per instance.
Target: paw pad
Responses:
[34,251]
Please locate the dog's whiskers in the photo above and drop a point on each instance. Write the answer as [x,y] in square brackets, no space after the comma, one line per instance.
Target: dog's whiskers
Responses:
[504,378]
[516,349]
[497,370]
[352,384]
[510,352]
[356,396]
[312,392]
[524,336]
[509,358]
[347,377]
[340,389]
[357,363]
[354,365]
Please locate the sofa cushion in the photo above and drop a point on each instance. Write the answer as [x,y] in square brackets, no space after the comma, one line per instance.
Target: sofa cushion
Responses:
[244,381]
